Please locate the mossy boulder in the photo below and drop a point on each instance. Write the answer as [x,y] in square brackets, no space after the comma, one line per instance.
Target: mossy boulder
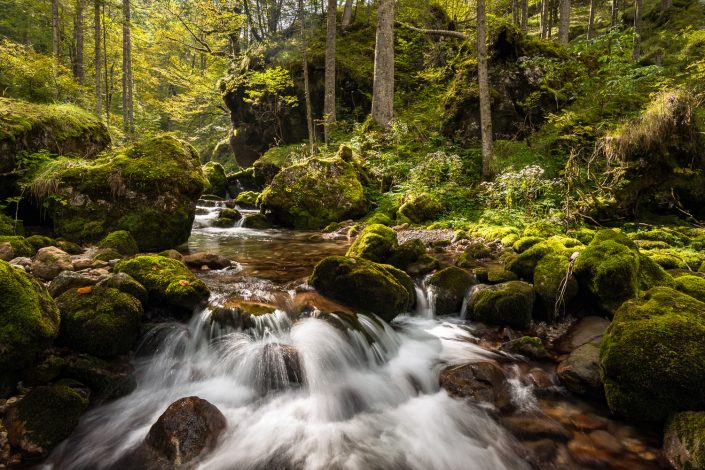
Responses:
[694,286]
[411,253]
[554,283]
[653,356]
[167,280]
[100,321]
[507,304]
[149,189]
[684,440]
[227,213]
[247,199]
[107,254]
[419,208]
[524,243]
[312,194]
[127,284]
[375,243]
[39,241]
[448,288]
[362,284]
[612,270]
[120,241]
[525,263]
[43,418]
[224,155]
[14,247]
[61,129]
[257,222]
[106,379]
[29,318]
[217,181]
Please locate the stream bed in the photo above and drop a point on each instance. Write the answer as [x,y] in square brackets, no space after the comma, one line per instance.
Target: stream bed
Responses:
[365,395]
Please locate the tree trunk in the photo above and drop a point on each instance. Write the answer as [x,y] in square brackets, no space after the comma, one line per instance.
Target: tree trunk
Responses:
[615,11]
[525,15]
[484,89]
[78,70]
[329,81]
[55,36]
[307,87]
[591,19]
[543,19]
[666,4]
[383,84]
[636,53]
[551,18]
[347,14]
[98,60]
[128,122]
[515,12]
[564,21]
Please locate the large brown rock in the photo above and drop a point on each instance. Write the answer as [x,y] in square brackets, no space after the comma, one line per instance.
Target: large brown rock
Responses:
[50,261]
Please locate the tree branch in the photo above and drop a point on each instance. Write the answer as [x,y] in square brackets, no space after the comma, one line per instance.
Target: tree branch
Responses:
[434,32]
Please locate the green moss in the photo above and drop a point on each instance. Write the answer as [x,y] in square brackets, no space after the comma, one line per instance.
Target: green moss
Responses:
[39,241]
[694,286]
[584,235]
[69,247]
[524,243]
[684,440]
[375,243]
[407,253]
[358,283]
[257,222]
[379,218]
[29,321]
[508,304]
[232,214]
[419,208]
[671,237]
[20,246]
[223,222]
[167,280]
[247,199]
[217,181]
[107,254]
[525,263]
[653,356]
[541,230]
[449,286]
[120,241]
[552,282]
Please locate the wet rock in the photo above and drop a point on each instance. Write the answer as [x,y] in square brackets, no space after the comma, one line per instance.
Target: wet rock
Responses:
[68,280]
[483,382]
[212,260]
[507,304]
[49,262]
[585,330]
[29,318]
[229,213]
[100,321]
[43,372]
[535,427]
[584,451]
[542,452]
[526,346]
[356,282]
[279,368]
[580,371]
[127,284]
[448,287]
[257,222]
[240,313]
[424,265]
[107,379]
[684,440]
[43,418]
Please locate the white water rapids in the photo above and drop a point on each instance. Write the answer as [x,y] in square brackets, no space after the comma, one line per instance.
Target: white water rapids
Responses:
[370,398]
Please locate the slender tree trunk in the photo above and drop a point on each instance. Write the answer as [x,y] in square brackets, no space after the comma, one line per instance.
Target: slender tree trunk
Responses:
[329,81]
[484,88]
[307,86]
[78,69]
[347,14]
[128,121]
[636,53]
[515,12]
[525,15]
[551,18]
[564,21]
[615,11]
[591,19]
[98,60]
[107,76]
[543,19]
[383,85]
[55,36]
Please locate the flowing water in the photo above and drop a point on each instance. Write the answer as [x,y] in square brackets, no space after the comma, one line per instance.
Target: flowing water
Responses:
[365,397]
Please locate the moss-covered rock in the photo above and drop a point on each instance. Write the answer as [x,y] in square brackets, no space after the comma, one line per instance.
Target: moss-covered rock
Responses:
[120,241]
[448,287]
[127,284]
[694,286]
[684,440]
[524,243]
[15,247]
[553,281]
[525,263]
[107,379]
[613,270]
[541,229]
[409,253]
[312,194]
[508,304]
[149,189]
[359,283]
[419,208]
[232,214]
[39,241]
[101,321]
[247,199]
[29,319]
[107,254]
[379,218]
[653,356]
[375,243]
[167,280]
[43,418]
[257,222]
[217,181]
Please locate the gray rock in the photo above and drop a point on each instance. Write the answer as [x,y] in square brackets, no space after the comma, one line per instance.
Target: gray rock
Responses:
[580,372]
[50,261]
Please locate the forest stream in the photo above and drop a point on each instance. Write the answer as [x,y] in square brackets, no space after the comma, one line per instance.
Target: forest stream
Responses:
[360,394]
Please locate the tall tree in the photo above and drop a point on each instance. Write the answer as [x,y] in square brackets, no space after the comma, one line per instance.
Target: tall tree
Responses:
[564,21]
[484,89]
[98,60]
[55,35]
[636,52]
[347,14]
[543,19]
[78,70]
[329,81]
[307,87]
[525,15]
[615,11]
[515,12]
[128,121]
[591,19]
[383,83]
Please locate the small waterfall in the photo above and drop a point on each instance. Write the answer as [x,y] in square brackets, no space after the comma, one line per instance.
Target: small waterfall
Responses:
[467,299]
[522,390]
[424,302]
